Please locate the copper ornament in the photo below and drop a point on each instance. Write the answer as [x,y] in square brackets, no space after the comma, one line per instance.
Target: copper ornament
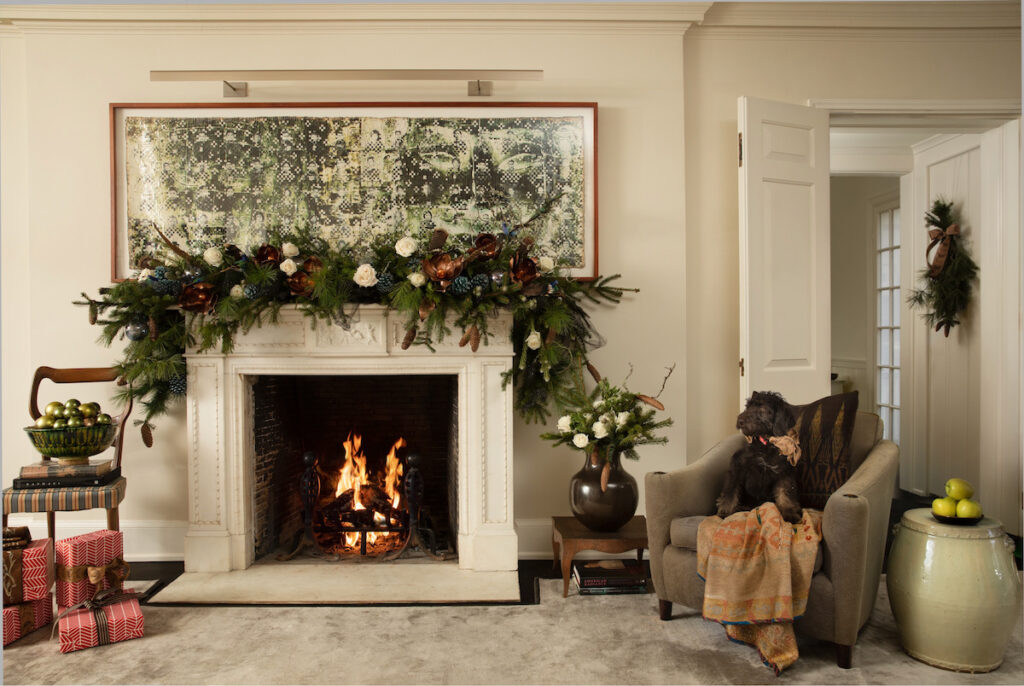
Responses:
[443,268]
[232,251]
[426,307]
[312,265]
[300,283]
[268,254]
[487,246]
[198,297]
[523,268]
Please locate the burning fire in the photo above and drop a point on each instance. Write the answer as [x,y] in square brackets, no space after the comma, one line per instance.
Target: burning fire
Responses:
[353,477]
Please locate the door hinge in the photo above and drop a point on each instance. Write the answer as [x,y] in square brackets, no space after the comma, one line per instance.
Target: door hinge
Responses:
[740,134]
[742,368]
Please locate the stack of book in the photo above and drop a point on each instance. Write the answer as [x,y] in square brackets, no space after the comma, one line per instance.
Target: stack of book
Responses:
[602,577]
[52,474]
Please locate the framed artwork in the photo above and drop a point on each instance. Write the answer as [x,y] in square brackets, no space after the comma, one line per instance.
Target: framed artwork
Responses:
[212,173]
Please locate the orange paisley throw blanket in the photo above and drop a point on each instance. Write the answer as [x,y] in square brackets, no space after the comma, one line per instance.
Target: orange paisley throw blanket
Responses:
[757,571]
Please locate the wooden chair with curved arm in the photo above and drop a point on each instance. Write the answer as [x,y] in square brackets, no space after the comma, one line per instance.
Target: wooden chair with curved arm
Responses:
[72,498]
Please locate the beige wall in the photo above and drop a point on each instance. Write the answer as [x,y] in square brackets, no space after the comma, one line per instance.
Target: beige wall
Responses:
[56,80]
[723,63]
[852,202]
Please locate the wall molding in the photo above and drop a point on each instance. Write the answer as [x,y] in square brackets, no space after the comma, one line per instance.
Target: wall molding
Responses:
[817,15]
[144,540]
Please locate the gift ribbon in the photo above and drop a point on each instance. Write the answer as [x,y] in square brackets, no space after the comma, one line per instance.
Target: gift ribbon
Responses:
[96,604]
[114,572]
[941,239]
[27,617]
[14,590]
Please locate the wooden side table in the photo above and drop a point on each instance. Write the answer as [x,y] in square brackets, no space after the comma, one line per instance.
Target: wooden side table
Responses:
[569,537]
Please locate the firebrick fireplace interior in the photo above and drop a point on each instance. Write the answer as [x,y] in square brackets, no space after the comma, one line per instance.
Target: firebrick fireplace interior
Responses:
[333,417]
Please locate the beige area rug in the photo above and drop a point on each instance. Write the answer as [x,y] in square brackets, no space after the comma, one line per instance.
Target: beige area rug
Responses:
[574,640]
[309,581]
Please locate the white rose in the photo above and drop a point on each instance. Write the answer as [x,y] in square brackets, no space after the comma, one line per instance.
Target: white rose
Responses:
[607,418]
[533,341]
[598,404]
[237,291]
[213,257]
[365,276]
[145,274]
[289,267]
[417,279]
[600,430]
[289,250]
[406,246]
[580,440]
[565,424]
[621,419]
[545,264]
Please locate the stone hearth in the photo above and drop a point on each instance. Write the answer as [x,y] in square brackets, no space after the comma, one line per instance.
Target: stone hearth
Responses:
[221,477]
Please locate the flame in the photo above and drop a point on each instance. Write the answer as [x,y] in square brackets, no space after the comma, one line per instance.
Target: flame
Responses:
[394,472]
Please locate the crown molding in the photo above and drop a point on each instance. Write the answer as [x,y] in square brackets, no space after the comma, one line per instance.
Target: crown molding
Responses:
[990,14]
[663,16]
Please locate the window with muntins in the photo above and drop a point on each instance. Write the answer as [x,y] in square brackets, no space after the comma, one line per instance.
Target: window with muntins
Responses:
[887,338]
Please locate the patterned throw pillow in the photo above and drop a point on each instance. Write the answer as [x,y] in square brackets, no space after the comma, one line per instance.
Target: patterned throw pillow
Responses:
[824,428]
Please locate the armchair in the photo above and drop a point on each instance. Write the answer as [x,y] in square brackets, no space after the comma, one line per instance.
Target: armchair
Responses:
[854,527]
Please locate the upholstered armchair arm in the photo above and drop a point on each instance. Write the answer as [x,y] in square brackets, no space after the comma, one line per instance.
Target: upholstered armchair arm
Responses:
[853,527]
[684,492]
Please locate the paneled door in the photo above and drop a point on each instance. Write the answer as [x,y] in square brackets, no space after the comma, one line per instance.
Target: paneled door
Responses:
[784,270]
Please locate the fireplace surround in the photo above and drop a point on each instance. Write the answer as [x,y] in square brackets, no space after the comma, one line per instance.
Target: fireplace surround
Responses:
[221,445]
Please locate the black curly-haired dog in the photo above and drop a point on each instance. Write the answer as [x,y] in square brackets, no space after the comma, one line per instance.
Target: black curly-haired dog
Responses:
[760,472]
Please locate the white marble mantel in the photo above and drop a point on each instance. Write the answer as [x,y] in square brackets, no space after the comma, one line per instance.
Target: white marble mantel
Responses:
[221,444]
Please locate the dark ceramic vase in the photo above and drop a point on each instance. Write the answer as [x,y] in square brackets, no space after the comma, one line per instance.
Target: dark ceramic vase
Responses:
[604,510]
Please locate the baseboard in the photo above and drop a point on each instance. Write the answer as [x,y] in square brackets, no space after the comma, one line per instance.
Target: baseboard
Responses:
[144,541]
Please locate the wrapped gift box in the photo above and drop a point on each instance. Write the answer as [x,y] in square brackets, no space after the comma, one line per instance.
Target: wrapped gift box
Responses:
[28,572]
[75,557]
[119,620]
[24,618]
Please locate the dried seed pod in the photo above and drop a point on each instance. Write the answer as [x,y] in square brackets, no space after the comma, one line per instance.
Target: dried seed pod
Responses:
[606,472]
[550,335]
[593,372]
[147,434]
[152,329]
[653,402]
[465,339]
[93,313]
[426,307]
[410,336]
[437,239]
[474,338]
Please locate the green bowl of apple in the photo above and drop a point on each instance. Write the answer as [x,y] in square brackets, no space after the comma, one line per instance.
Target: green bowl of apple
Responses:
[72,431]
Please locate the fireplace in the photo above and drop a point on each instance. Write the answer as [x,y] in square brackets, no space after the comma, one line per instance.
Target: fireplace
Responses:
[295,368]
[346,465]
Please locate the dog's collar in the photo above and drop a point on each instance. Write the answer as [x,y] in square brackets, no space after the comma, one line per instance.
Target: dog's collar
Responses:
[764,441]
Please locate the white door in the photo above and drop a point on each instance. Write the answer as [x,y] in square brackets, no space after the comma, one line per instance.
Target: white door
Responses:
[784,270]
[962,395]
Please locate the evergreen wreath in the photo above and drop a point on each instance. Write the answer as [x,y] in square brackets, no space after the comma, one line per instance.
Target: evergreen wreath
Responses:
[950,274]
[205,299]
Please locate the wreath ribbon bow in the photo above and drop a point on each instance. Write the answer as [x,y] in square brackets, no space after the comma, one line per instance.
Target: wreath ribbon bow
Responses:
[941,239]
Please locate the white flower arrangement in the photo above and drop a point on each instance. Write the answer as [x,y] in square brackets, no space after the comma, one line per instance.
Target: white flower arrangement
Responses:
[289,250]
[598,404]
[213,257]
[580,440]
[545,264]
[418,279]
[144,274]
[237,291]
[406,246]
[289,267]
[565,424]
[600,430]
[621,419]
[533,340]
[365,276]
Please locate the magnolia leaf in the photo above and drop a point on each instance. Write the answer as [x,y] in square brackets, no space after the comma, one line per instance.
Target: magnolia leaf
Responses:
[606,472]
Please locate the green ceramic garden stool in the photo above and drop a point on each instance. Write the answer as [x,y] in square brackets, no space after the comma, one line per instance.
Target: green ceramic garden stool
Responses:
[954,591]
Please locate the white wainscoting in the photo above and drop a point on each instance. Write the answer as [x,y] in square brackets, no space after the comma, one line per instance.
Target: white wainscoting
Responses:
[144,540]
[856,376]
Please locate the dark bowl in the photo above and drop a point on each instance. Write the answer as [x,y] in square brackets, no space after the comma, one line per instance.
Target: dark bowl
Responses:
[76,441]
[957,521]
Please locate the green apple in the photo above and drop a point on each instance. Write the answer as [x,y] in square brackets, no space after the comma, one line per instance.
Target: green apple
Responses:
[968,508]
[53,408]
[44,422]
[72,404]
[89,409]
[945,507]
[60,423]
[103,418]
[958,489]
[75,422]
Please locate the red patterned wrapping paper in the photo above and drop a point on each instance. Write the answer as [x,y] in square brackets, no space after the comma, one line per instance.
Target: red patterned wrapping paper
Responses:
[24,618]
[28,573]
[78,629]
[92,549]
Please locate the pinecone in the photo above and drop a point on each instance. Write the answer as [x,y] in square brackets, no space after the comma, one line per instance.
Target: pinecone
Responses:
[481,281]
[385,283]
[251,291]
[178,384]
[460,286]
[173,288]
[159,286]
[160,272]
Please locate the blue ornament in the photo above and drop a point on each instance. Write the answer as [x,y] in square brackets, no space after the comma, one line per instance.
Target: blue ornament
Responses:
[137,330]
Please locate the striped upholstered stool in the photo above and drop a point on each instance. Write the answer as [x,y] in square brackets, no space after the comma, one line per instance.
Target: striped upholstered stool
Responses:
[70,498]
[50,500]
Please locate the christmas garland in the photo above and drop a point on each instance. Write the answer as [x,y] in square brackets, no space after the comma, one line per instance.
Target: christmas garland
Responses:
[180,299]
[950,274]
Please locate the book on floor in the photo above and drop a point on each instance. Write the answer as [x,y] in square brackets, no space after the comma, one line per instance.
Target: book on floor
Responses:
[610,573]
[611,590]
[45,469]
[67,481]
